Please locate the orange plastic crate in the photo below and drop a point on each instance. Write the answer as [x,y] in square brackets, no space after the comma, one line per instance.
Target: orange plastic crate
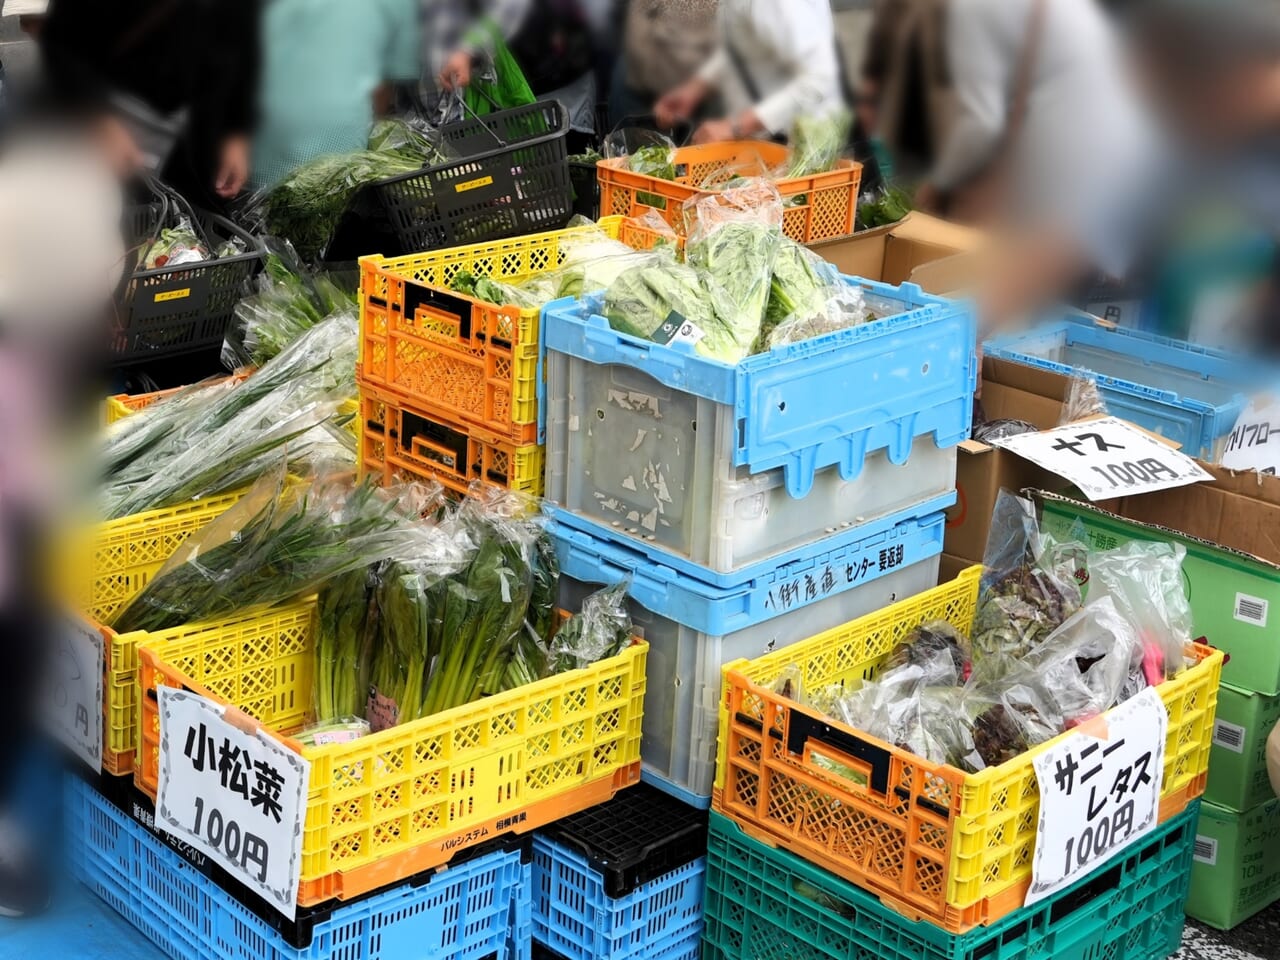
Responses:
[398,442]
[939,844]
[818,207]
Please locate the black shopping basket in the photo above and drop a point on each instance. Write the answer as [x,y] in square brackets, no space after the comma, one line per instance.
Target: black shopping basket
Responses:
[172,311]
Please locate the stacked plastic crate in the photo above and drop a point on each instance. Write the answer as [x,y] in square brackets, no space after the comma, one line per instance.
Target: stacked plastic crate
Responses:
[844,846]
[750,506]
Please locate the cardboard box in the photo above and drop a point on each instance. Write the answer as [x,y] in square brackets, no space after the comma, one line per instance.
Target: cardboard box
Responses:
[906,250]
[1236,870]
[1009,391]
[1231,529]
[1238,777]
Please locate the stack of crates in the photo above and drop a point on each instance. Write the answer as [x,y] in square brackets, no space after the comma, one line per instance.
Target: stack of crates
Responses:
[750,505]
[622,881]
[452,387]
[899,857]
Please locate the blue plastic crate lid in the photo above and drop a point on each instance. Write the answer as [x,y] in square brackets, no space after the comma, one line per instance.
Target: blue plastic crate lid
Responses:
[830,400]
[826,570]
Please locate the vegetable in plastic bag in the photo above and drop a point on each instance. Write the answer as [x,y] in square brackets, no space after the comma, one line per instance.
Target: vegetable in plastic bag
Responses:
[669,302]
[344,729]
[993,430]
[817,141]
[176,245]
[1144,580]
[886,207]
[600,631]
[1028,588]
[1083,401]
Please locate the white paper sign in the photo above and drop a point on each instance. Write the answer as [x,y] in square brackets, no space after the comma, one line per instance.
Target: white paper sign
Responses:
[1254,444]
[238,797]
[1107,458]
[73,695]
[1098,796]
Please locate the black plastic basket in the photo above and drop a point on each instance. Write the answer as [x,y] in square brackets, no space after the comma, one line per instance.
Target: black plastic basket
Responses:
[171,311]
[513,179]
[638,836]
[586,189]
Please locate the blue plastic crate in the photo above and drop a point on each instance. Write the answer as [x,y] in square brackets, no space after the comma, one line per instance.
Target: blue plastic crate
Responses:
[479,910]
[727,471]
[1185,392]
[694,628]
[575,918]
[762,901]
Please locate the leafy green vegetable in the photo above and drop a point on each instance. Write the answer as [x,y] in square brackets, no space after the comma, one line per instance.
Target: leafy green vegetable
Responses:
[599,631]
[344,614]
[796,290]
[888,206]
[817,142]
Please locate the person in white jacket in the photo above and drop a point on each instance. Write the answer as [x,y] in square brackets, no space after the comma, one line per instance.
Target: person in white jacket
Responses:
[775,60]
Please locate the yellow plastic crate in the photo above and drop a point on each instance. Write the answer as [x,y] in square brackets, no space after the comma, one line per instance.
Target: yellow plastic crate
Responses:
[462,360]
[940,844]
[388,806]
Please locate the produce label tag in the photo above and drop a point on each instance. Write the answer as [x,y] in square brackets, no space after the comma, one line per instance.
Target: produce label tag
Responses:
[1251,610]
[1229,736]
[238,797]
[1099,792]
[1107,458]
[73,690]
[1254,444]
[676,329]
[383,713]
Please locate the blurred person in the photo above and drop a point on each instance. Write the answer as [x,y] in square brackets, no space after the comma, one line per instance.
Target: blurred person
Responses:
[169,85]
[328,68]
[774,60]
[554,42]
[664,44]
[61,256]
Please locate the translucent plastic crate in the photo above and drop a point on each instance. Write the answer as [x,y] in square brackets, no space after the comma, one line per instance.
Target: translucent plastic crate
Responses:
[622,881]
[693,629]
[1189,393]
[728,471]
[479,910]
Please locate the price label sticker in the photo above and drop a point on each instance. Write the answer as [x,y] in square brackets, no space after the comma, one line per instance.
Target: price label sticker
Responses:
[240,798]
[1107,458]
[1099,793]
[73,693]
[1254,444]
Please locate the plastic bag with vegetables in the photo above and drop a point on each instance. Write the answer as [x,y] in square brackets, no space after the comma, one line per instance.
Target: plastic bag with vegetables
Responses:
[817,141]
[1144,581]
[282,540]
[1028,588]
[176,245]
[600,631]
[734,237]
[807,298]
[667,302]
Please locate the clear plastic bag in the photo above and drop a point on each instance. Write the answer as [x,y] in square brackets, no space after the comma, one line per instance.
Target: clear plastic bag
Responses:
[817,141]
[807,298]
[600,631]
[345,729]
[993,430]
[1083,401]
[1144,580]
[734,237]
[175,246]
[1029,588]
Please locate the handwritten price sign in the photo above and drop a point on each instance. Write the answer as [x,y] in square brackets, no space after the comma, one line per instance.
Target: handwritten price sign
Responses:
[1254,444]
[1107,458]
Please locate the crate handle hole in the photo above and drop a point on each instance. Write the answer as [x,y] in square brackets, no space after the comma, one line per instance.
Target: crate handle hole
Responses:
[599,413]
[924,370]
[782,407]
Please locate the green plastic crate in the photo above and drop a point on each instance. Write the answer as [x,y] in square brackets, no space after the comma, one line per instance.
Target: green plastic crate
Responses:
[1236,871]
[1238,761]
[766,903]
[1235,599]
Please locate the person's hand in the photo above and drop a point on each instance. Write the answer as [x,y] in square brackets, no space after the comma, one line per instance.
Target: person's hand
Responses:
[457,71]
[118,146]
[715,131]
[679,104]
[233,167]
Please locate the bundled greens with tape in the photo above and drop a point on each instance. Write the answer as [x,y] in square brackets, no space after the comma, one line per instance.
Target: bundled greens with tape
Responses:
[216,438]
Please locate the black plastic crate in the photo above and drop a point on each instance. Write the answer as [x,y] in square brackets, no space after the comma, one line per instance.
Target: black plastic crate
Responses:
[172,311]
[512,179]
[586,189]
[638,836]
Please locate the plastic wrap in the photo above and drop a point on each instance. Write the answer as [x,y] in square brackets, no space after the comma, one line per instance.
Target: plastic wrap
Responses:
[667,302]
[817,141]
[599,631]
[1083,401]
[927,641]
[289,300]
[343,729]
[993,430]
[283,539]
[214,446]
[734,237]
[1144,580]
[1028,588]
[174,246]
